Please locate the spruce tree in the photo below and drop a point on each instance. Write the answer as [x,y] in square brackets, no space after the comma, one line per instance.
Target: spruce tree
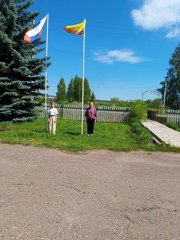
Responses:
[61,91]
[77,89]
[74,91]
[21,71]
[87,91]
[93,97]
[70,91]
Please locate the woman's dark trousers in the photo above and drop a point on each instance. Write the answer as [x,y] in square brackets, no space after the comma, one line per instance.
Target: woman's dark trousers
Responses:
[90,126]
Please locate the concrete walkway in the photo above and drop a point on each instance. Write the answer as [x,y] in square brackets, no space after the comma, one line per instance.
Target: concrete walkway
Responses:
[163,133]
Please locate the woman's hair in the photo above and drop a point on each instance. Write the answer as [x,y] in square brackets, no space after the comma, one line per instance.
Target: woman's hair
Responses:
[91,102]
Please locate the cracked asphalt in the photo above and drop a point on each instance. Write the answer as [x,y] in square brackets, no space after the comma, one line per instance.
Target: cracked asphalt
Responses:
[47,194]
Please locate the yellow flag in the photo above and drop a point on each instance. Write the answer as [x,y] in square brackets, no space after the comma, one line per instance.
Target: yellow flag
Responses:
[77,29]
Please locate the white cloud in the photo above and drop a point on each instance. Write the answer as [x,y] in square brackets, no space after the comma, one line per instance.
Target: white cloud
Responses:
[173,33]
[156,14]
[124,55]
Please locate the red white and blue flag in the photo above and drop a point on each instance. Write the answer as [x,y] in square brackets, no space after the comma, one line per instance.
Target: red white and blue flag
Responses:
[34,33]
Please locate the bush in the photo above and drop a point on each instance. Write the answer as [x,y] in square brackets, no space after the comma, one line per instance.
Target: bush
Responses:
[138,111]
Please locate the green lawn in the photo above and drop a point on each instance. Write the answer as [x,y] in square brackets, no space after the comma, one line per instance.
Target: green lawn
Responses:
[112,136]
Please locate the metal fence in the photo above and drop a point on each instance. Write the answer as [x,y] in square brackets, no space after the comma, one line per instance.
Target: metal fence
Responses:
[104,114]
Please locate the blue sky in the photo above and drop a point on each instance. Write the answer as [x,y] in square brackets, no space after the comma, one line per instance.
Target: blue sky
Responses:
[128,44]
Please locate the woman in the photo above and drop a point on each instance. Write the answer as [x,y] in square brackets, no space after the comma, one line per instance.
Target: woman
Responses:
[91,115]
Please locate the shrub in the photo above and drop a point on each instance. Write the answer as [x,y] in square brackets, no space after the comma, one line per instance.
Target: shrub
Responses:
[138,111]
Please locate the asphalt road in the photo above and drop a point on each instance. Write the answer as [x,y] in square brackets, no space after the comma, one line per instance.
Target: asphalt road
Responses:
[46,194]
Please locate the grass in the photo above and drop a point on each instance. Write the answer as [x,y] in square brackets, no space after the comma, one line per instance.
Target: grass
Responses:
[111,136]
[173,126]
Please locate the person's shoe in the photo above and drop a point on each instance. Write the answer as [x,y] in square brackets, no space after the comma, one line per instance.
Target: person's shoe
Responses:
[88,135]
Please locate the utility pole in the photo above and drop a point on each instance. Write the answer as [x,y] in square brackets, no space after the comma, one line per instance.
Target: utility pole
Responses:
[165,90]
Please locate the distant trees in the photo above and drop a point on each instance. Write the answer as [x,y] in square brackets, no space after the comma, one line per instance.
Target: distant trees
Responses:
[155,103]
[74,91]
[21,71]
[93,97]
[115,100]
[61,94]
[77,81]
[70,91]
[87,91]
[171,84]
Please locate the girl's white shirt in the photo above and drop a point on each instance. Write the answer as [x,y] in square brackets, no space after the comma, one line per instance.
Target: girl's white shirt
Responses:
[52,112]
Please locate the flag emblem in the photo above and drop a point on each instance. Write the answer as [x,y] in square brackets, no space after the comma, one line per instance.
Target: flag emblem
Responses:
[32,34]
[77,29]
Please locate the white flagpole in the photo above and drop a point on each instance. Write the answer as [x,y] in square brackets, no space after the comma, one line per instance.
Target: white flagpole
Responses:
[46,75]
[83,64]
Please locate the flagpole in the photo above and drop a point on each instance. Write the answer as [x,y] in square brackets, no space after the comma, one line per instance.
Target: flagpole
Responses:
[46,74]
[83,64]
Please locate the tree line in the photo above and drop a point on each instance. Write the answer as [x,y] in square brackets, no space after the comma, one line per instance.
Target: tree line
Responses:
[73,93]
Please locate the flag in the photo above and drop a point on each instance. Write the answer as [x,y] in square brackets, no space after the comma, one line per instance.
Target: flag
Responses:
[77,29]
[32,34]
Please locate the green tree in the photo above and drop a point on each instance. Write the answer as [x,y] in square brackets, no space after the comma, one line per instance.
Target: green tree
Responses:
[70,91]
[115,100]
[93,97]
[20,70]
[75,90]
[87,91]
[61,94]
[171,85]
